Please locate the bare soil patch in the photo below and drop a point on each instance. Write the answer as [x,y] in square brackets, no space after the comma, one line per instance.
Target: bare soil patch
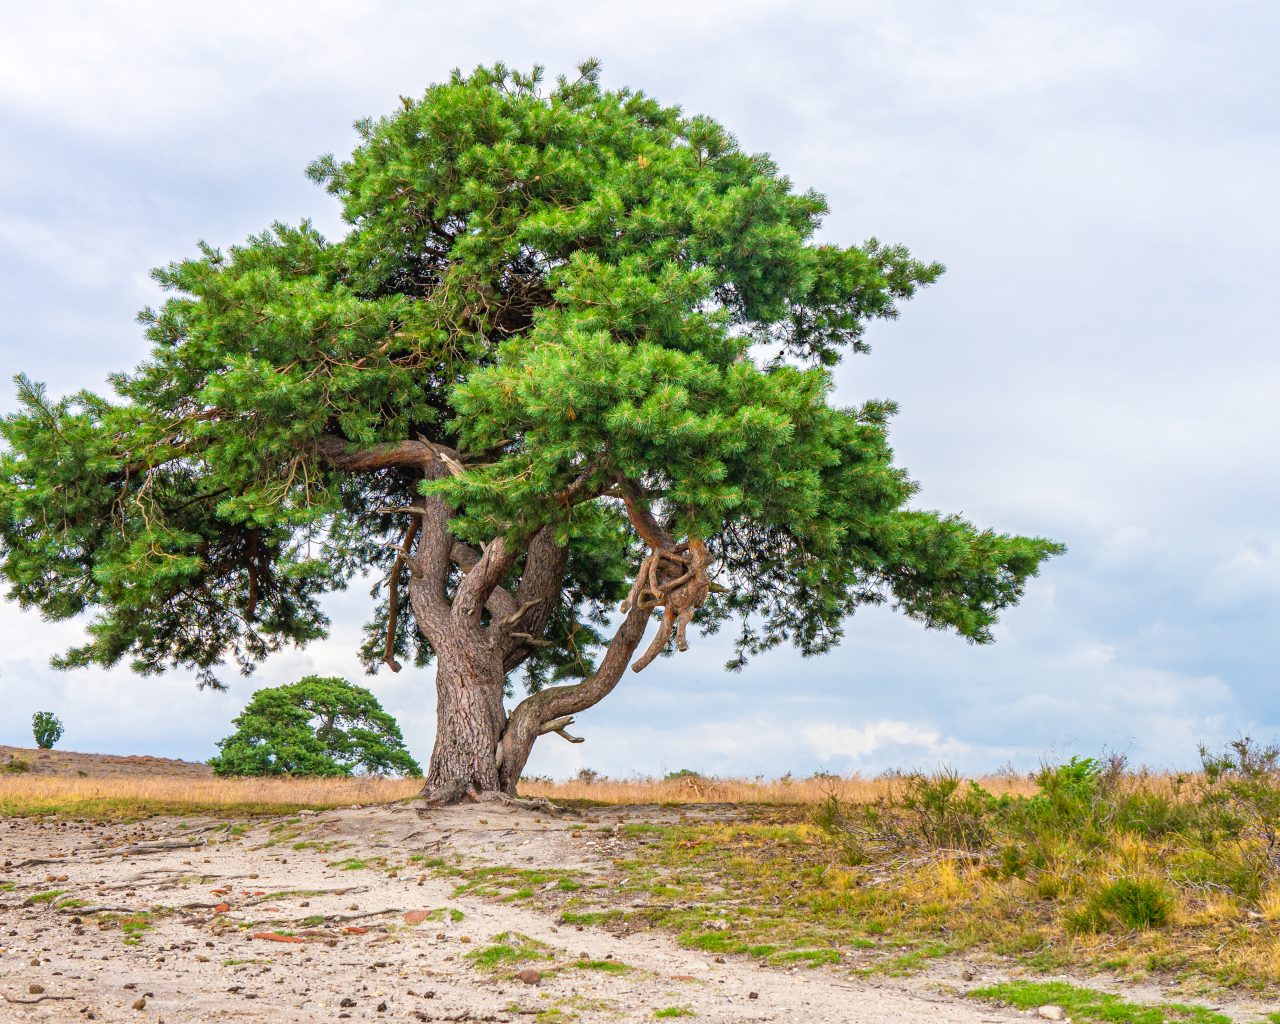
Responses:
[372,913]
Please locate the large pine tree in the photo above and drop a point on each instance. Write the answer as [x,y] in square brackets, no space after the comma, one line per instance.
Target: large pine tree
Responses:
[568,373]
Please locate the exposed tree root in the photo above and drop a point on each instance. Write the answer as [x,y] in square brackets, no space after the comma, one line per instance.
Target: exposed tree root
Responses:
[99,854]
[449,793]
[533,803]
[457,793]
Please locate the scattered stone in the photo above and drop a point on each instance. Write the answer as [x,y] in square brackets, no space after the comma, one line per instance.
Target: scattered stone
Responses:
[140,1003]
[354,929]
[273,937]
[347,1002]
[416,916]
[529,976]
[753,995]
[1051,1012]
[222,908]
[35,990]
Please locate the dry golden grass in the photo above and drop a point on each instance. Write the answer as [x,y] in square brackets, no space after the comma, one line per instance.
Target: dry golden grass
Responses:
[698,790]
[137,797]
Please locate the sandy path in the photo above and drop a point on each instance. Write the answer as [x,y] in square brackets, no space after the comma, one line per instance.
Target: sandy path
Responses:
[195,964]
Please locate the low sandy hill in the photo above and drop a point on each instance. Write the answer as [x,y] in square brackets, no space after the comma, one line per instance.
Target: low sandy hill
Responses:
[72,764]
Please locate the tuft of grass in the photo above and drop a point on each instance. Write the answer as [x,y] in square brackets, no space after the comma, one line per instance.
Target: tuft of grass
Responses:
[583,917]
[507,950]
[1083,1004]
[1127,904]
[808,957]
[674,1011]
[46,897]
[350,864]
[133,927]
[605,966]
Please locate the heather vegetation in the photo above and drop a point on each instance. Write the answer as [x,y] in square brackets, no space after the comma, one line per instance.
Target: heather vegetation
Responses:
[1093,865]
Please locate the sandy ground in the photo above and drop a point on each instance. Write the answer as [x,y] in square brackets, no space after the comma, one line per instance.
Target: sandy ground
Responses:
[366,961]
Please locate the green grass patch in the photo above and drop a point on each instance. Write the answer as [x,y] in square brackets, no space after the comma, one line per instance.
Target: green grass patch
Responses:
[1083,1004]
[605,966]
[350,864]
[809,957]
[674,1011]
[133,927]
[46,897]
[125,809]
[584,917]
[507,950]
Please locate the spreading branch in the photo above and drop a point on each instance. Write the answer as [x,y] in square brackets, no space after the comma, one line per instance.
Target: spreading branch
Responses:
[393,593]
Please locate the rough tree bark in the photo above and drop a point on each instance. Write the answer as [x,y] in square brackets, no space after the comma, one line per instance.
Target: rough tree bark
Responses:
[482,631]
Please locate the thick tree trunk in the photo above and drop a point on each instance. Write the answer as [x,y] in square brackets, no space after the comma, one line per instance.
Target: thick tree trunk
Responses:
[479,750]
[469,723]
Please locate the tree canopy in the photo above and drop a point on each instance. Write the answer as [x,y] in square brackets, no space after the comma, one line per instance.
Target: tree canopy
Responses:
[571,334]
[316,726]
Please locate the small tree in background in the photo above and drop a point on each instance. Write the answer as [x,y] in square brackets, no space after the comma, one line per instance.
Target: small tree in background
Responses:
[316,726]
[47,728]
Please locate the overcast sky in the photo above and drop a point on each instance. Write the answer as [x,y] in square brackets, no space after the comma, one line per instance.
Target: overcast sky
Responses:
[1098,365]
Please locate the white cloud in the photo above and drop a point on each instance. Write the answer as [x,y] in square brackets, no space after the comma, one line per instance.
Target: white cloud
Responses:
[1096,365]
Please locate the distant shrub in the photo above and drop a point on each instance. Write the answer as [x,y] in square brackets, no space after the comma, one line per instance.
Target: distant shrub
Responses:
[937,810]
[17,766]
[587,775]
[47,729]
[1243,784]
[943,811]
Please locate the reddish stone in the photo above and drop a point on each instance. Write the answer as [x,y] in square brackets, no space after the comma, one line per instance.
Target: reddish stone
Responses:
[354,929]
[273,937]
[222,908]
